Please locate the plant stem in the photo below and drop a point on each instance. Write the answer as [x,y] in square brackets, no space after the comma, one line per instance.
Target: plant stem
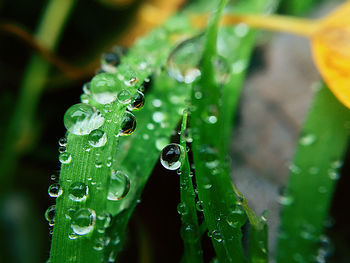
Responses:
[21,130]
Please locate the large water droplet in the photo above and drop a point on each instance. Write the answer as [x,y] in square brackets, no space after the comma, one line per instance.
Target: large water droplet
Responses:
[83,221]
[137,101]
[104,88]
[55,190]
[81,119]
[78,191]
[97,138]
[170,156]
[124,96]
[50,215]
[183,61]
[119,186]
[128,124]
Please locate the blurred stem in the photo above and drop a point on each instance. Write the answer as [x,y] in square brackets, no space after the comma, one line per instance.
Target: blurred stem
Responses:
[20,132]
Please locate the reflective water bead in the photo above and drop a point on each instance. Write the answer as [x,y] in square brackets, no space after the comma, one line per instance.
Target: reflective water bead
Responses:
[183,61]
[222,69]
[119,186]
[137,101]
[83,221]
[84,98]
[99,244]
[182,208]
[158,117]
[128,124]
[62,141]
[170,156]
[216,235]
[199,206]
[97,138]
[104,88]
[55,190]
[124,96]
[81,119]
[50,214]
[65,158]
[157,103]
[78,191]
[131,82]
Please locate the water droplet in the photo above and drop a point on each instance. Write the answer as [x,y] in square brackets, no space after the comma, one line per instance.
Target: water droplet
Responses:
[119,186]
[55,190]
[222,70]
[307,139]
[84,98]
[65,158]
[216,235]
[62,149]
[53,177]
[150,126]
[99,244]
[157,103]
[294,169]
[241,29]
[199,206]
[104,88]
[286,199]
[124,96]
[78,191]
[81,119]
[131,82]
[170,156]
[83,221]
[110,61]
[97,138]
[73,236]
[128,124]
[137,101]
[183,61]
[158,116]
[182,208]
[62,141]
[106,219]
[239,66]
[50,215]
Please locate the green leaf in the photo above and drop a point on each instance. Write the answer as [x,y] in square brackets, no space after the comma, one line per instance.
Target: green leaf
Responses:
[314,172]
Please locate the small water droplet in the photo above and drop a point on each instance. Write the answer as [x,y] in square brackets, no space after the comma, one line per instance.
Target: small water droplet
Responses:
[83,221]
[103,88]
[241,29]
[137,102]
[55,190]
[97,138]
[307,139]
[124,96]
[158,117]
[119,186]
[216,235]
[110,61]
[81,119]
[62,149]
[99,244]
[182,208]
[62,141]
[65,158]
[170,156]
[157,103]
[131,82]
[183,61]
[50,214]
[78,191]
[128,124]
[286,200]
[86,88]
[222,70]
[199,206]
[150,126]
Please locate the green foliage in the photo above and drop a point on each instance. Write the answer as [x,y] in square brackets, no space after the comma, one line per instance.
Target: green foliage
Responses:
[314,172]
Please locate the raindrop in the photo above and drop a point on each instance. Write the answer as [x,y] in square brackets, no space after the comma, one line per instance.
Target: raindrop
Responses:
[78,191]
[307,139]
[124,96]
[110,61]
[119,186]
[216,235]
[50,215]
[55,190]
[286,200]
[182,208]
[83,221]
[150,126]
[183,61]
[62,149]
[81,119]
[241,29]
[199,206]
[99,244]
[65,158]
[84,98]
[137,101]
[86,88]
[170,156]
[104,88]
[128,124]
[131,82]
[158,117]
[157,103]
[97,138]
[222,70]
[62,141]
